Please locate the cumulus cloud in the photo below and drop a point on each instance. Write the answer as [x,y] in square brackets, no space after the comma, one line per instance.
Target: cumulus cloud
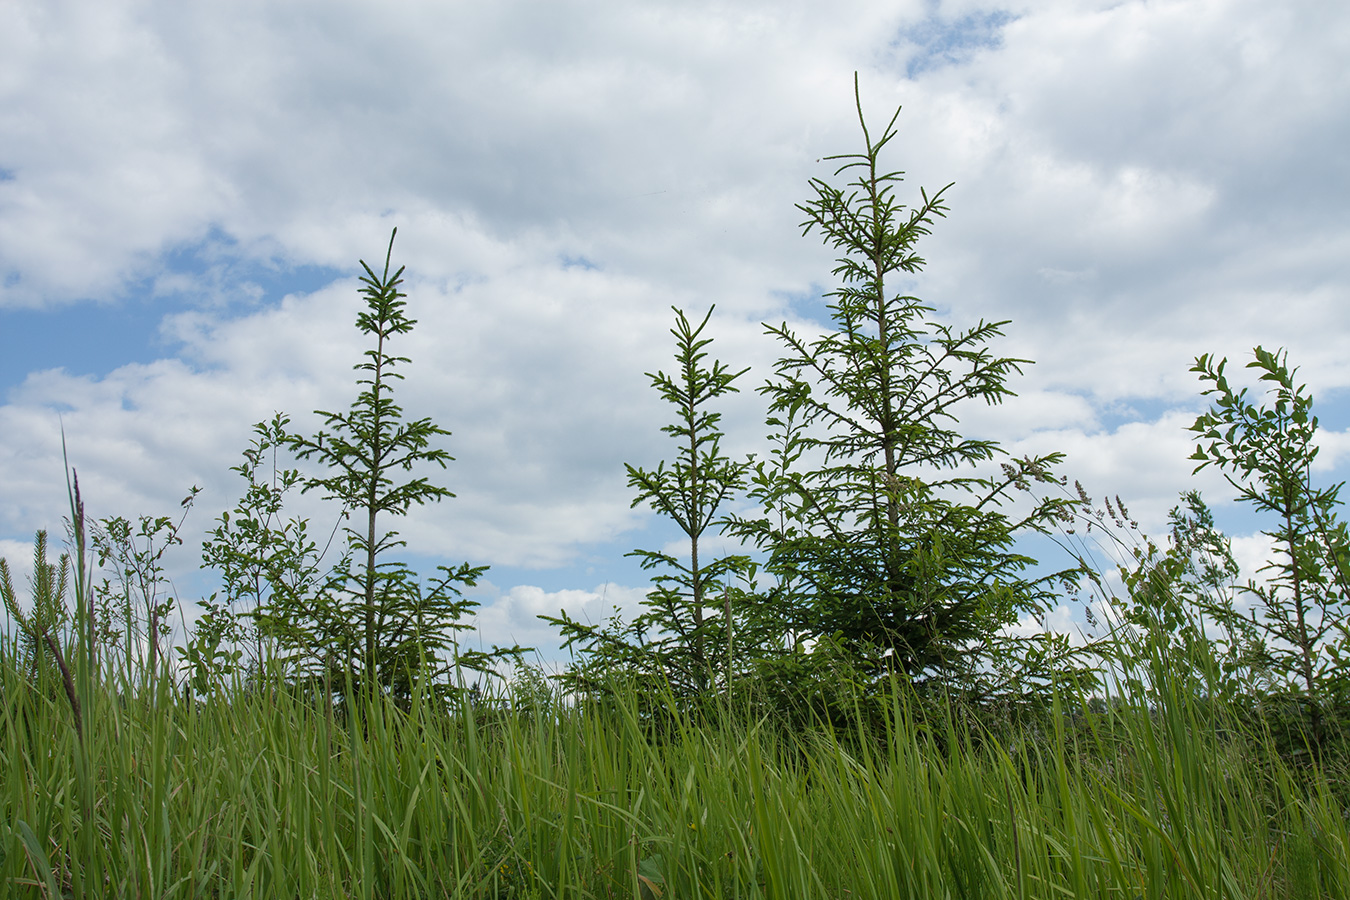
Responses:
[1135,184]
[511,617]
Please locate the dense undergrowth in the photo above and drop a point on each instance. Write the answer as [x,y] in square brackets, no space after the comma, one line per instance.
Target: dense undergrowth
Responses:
[258,793]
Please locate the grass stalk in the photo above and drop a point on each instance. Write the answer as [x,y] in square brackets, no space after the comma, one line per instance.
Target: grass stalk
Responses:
[266,793]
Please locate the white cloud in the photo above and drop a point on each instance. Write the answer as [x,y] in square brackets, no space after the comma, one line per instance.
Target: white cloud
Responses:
[1136,184]
[511,618]
[1332,448]
[18,557]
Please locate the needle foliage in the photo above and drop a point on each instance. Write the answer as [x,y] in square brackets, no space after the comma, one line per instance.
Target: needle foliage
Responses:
[882,533]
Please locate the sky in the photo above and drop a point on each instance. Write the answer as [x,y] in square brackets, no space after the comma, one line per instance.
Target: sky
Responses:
[186,190]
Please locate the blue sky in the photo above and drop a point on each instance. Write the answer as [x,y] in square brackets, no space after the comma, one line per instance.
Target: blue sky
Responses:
[185,191]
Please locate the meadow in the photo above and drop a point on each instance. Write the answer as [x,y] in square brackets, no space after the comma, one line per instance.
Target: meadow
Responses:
[264,792]
[844,711]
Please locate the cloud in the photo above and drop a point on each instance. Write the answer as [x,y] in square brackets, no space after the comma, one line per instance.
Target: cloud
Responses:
[279,128]
[511,618]
[18,558]
[1135,184]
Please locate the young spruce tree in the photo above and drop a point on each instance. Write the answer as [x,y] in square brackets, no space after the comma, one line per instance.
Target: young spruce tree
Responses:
[690,493]
[375,619]
[874,543]
[687,647]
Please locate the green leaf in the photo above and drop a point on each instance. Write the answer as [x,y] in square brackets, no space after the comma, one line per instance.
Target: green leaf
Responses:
[651,880]
[37,858]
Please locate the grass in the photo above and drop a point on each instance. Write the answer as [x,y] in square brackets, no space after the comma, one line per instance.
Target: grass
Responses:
[117,783]
[259,794]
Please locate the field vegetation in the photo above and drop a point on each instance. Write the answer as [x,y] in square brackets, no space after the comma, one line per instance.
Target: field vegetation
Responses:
[851,707]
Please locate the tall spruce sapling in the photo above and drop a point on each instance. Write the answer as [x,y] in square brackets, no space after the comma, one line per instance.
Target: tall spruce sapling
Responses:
[1266,453]
[375,616]
[691,492]
[875,544]
[676,640]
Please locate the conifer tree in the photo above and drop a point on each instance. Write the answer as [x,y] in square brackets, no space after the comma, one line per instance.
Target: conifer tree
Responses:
[878,531]
[690,492]
[375,621]
[676,641]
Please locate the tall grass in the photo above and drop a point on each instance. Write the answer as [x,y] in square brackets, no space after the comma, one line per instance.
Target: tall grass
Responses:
[118,783]
[258,793]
